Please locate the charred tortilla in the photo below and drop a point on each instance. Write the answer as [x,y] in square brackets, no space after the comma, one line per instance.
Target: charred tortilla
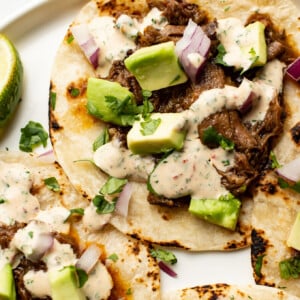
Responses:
[73,130]
[130,268]
[225,291]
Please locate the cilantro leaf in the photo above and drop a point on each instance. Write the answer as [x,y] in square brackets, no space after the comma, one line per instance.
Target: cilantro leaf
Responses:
[221,53]
[77,211]
[285,185]
[258,265]
[102,139]
[164,255]
[212,137]
[104,206]
[290,268]
[113,185]
[52,184]
[82,277]
[274,162]
[32,135]
[114,257]
[149,126]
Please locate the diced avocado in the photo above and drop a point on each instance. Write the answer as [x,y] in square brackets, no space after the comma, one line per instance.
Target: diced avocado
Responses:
[156,67]
[7,283]
[110,102]
[294,237]
[256,48]
[161,132]
[64,284]
[223,211]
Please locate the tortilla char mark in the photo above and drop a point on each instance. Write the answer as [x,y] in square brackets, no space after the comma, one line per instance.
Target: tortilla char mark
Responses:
[295,133]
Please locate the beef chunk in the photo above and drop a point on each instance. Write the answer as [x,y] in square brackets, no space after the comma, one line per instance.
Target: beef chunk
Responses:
[229,125]
[179,12]
[158,200]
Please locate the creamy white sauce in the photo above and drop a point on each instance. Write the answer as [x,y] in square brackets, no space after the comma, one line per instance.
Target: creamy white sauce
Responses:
[237,41]
[59,256]
[112,42]
[56,218]
[31,238]
[17,203]
[124,164]
[37,283]
[99,283]
[153,18]
[7,255]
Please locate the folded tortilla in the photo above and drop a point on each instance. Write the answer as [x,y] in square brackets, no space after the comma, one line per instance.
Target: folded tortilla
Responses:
[73,132]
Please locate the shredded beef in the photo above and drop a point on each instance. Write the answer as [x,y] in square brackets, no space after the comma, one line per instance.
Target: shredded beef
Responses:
[7,233]
[158,200]
[179,12]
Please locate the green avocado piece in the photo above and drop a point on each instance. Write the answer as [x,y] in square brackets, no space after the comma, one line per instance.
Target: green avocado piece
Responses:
[294,238]
[161,132]
[156,67]
[256,49]
[223,211]
[64,284]
[7,283]
[110,102]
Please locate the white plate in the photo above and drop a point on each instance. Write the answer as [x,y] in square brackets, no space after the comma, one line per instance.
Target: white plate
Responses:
[37,31]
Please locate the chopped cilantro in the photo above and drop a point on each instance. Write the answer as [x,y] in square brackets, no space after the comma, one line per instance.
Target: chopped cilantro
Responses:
[53,100]
[30,233]
[82,277]
[52,184]
[113,185]
[211,136]
[104,206]
[220,55]
[274,162]
[70,39]
[74,92]
[290,268]
[258,265]
[77,211]
[102,139]
[32,135]
[114,257]
[129,291]
[2,201]
[164,255]
[149,126]
[284,185]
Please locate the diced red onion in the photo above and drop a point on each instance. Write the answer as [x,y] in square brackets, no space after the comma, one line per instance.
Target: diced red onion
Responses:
[247,104]
[192,49]
[165,268]
[123,200]
[293,70]
[43,243]
[291,170]
[47,156]
[87,43]
[89,258]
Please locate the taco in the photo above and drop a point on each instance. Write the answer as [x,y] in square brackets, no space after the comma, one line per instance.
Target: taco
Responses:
[275,260]
[182,102]
[45,253]
[225,291]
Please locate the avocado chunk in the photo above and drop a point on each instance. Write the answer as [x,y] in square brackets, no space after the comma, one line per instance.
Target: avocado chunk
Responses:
[7,283]
[256,48]
[156,67]
[110,102]
[223,211]
[294,236]
[64,284]
[161,132]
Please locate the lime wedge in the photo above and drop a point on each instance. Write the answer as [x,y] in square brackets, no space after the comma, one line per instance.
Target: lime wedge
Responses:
[11,76]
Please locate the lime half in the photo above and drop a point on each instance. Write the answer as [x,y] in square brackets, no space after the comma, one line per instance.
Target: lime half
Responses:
[11,77]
